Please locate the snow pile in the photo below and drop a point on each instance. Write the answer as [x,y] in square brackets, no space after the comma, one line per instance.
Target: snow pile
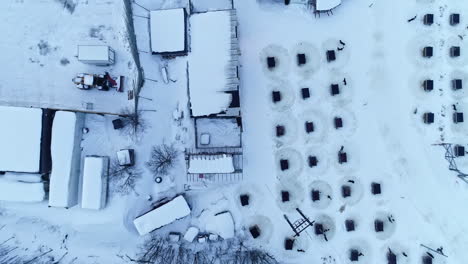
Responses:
[163,215]
[94,183]
[191,233]
[20,139]
[23,177]
[221,224]
[167,30]
[211,164]
[209,61]
[65,148]
[15,191]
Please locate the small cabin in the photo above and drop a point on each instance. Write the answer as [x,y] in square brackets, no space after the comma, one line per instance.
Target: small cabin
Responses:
[254,231]
[349,225]
[284,164]
[331,56]
[280,130]
[427,259]
[100,55]
[391,257]
[284,196]
[334,89]
[455,51]
[305,93]
[342,157]
[288,244]
[244,199]
[271,62]
[454,19]
[459,151]
[319,230]
[354,255]
[458,117]
[338,122]
[126,157]
[378,225]
[315,195]
[457,84]
[345,191]
[428,85]
[428,52]
[301,59]
[428,19]
[376,188]
[312,161]
[428,118]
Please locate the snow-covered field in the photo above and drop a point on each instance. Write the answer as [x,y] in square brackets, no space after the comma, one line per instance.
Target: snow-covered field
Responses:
[383,135]
[40,48]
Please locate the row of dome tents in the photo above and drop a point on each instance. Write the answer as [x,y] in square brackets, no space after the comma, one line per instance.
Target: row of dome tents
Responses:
[40,150]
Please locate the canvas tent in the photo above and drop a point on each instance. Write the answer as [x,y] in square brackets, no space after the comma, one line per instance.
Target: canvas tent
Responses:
[162,215]
[66,158]
[212,71]
[168,31]
[95,173]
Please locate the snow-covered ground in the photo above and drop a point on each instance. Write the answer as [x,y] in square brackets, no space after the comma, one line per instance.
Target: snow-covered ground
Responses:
[40,49]
[383,135]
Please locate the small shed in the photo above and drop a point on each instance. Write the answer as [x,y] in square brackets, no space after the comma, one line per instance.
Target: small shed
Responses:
[222,163]
[95,173]
[326,5]
[101,55]
[168,31]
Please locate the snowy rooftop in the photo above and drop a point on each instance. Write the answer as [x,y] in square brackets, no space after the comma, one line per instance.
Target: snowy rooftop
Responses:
[211,69]
[168,30]
[211,164]
[20,139]
[94,183]
[163,215]
[324,5]
[65,159]
[217,132]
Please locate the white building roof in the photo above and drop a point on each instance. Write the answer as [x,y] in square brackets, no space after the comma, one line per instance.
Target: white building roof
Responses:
[63,190]
[163,215]
[15,191]
[20,139]
[93,53]
[324,5]
[211,164]
[210,62]
[94,192]
[167,29]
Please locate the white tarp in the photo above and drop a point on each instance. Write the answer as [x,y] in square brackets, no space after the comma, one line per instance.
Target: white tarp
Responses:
[209,59]
[20,139]
[66,156]
[324,5]
[163,215]
[167,30]
[211,164]
[94,192]
[15,191]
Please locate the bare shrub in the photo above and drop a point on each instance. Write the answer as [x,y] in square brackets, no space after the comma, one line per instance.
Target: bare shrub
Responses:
[123,178]
[134,124]
[162,159]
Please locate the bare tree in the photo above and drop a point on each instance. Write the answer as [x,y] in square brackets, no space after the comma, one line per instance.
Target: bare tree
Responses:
[134,124]
[123,178]
[159,250]
[162,159]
